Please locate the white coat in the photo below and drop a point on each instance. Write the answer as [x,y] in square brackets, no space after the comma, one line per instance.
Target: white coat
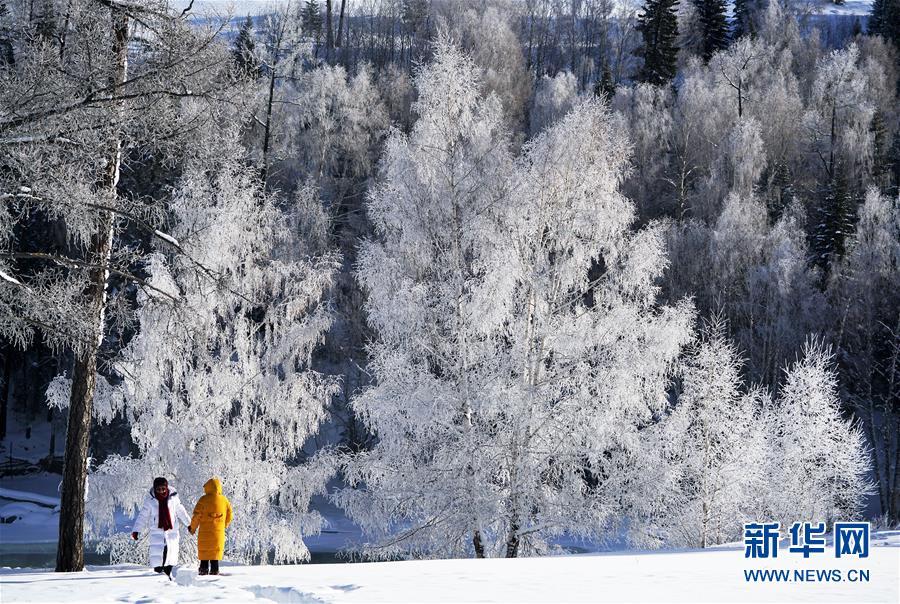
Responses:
[148,518]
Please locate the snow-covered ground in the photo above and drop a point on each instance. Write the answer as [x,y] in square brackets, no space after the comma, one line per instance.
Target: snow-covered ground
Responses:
[689,576]
[849,7]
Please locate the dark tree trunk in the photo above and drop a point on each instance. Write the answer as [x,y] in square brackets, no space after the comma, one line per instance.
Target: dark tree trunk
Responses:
[70,549]
[267,134]
[512,541]
[477,544]
[337,38]
[5,389]
[329,32]
[51,449]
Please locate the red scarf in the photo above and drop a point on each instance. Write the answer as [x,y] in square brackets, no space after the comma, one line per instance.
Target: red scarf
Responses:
[165,520]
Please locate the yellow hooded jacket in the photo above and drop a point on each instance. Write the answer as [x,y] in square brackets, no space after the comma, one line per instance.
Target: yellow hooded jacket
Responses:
[212,514]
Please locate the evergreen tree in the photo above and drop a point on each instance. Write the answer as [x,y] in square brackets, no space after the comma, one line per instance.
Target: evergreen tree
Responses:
[881,148]
[714,26]
[876,17]
[658,26]
[782,191]
[45,21]
[6,50]
[884,20]
[311,19]
[742,24]
[605,86]
[834,221]
[892,164]
[245,49]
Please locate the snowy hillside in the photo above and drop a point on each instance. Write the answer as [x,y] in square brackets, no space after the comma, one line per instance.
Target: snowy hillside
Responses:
[690,576]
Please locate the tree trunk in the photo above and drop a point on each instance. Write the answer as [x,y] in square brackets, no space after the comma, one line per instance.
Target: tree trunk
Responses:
[51,449]
[894,513]
[337,39]
[70,549]
[512,540]
[264,171]
[477,543]
[6,389]
[329,33]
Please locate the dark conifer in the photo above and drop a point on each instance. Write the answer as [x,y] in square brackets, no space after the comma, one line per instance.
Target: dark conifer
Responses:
[244,51]
[884,20]
[834,222]
[658,26]
[743,22]
[713,27]
[311,19]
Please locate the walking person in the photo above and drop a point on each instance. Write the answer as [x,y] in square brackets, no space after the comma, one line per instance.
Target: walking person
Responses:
[160,514]
[212,515]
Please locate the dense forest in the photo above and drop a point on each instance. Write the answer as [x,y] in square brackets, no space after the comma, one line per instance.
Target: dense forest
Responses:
[486,273]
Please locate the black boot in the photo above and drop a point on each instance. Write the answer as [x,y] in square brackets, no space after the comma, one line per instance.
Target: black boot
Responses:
[168,570]
[157,569]
[204,567]
[214,567]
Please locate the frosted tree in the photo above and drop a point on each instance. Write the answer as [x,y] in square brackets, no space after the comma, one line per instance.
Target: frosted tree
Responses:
[220,383]
[647,112]
[865,295]
[333,125]
[553,98]
[749,83]
[839,138]
[819,461]
[713,442]
[78,110]
[488,38]
[519,344]
[434,280]
[756,275]
[588,351]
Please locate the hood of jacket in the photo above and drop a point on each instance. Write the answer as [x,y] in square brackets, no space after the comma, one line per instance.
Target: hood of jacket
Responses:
[213,486]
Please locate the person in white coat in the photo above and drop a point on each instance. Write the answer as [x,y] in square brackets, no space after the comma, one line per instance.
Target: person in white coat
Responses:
[160,514]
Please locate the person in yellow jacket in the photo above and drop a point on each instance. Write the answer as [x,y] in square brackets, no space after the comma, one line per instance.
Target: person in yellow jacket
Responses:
[211,515]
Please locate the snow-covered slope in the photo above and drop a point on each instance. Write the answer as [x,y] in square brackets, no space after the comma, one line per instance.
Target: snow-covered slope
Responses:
[691,576]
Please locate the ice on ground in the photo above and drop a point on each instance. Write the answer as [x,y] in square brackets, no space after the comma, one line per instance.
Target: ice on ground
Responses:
[684,576]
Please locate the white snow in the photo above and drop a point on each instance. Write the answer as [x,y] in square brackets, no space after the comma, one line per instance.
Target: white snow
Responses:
[681,576]
[166,237]
[28,496]
[9,278]
[849,7]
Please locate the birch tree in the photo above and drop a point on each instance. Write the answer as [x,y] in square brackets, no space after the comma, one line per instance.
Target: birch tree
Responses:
[714,442]
[519,345]
[76,112]
[221,384]
[819,461]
